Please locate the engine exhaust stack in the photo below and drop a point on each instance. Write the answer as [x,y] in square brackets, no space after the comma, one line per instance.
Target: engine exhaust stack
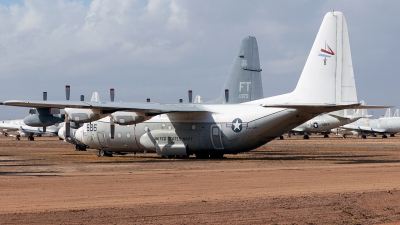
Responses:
[67,91]
[190,96]
[112,94]
[226,95]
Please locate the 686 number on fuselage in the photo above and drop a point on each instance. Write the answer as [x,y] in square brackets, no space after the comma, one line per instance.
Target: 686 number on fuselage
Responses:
[91,127]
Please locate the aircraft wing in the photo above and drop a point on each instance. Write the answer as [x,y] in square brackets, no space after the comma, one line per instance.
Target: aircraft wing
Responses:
[148,107]
[8,126]
[364,129]
[321,108]
[35,131]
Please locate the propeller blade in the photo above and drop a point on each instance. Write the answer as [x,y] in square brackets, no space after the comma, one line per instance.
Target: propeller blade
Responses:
[67,126]
[112,127]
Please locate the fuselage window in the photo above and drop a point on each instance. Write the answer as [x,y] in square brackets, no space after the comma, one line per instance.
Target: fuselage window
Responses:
[193,127]
[119,135]
[215,131]
[128,135]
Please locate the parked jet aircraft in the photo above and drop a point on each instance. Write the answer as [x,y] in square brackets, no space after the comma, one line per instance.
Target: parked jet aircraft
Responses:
[19,126]
[211,130]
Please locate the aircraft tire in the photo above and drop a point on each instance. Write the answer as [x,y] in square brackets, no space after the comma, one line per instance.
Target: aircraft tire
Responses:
[202,155]
[216,156]
[363,136]
[306,137]
[384,136]
[18,138]
[326,136]
[103,153]
[281,137]
[344,135]
[392,135]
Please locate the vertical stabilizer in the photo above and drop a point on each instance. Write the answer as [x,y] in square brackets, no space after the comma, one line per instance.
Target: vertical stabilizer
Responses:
[244,81]
[396,113]
[388,113]
[95,97]
[328,75]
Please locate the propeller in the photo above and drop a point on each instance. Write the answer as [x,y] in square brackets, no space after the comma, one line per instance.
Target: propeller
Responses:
[112,127]
[190,96]
[45,99]
[112,124]
[67,126]
[67,122]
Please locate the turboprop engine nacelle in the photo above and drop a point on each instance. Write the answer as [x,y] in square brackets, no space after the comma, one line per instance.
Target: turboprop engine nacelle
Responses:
[84,115]
[129,118]
[38,120]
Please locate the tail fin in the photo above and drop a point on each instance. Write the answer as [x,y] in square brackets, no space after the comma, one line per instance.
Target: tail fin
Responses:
[328,75]
[362,112]
[388,113]
[244,81]
[396,113]
[95,97]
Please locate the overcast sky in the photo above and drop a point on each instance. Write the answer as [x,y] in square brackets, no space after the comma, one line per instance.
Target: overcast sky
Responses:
[160,49]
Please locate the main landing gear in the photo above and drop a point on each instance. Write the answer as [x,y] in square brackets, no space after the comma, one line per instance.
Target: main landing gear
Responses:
[103,153]
[206,155]
[80,147]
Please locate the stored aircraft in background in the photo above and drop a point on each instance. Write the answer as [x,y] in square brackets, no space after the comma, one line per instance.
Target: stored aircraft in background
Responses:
[10,126]
[386,125]
[212,130]
[324,123]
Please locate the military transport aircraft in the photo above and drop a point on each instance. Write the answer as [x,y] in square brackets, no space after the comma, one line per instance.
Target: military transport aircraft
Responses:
[243,84]
[211,130]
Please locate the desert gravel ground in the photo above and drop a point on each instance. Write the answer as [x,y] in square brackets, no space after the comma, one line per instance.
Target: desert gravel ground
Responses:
[291,181]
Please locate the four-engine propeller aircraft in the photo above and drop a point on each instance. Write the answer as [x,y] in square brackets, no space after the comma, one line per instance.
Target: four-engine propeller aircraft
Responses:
[243,83]
[211,130]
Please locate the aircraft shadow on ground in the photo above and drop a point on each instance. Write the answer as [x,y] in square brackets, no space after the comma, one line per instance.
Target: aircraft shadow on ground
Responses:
[29,173]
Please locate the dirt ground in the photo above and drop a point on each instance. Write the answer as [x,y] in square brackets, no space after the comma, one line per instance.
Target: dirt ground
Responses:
[291,181]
